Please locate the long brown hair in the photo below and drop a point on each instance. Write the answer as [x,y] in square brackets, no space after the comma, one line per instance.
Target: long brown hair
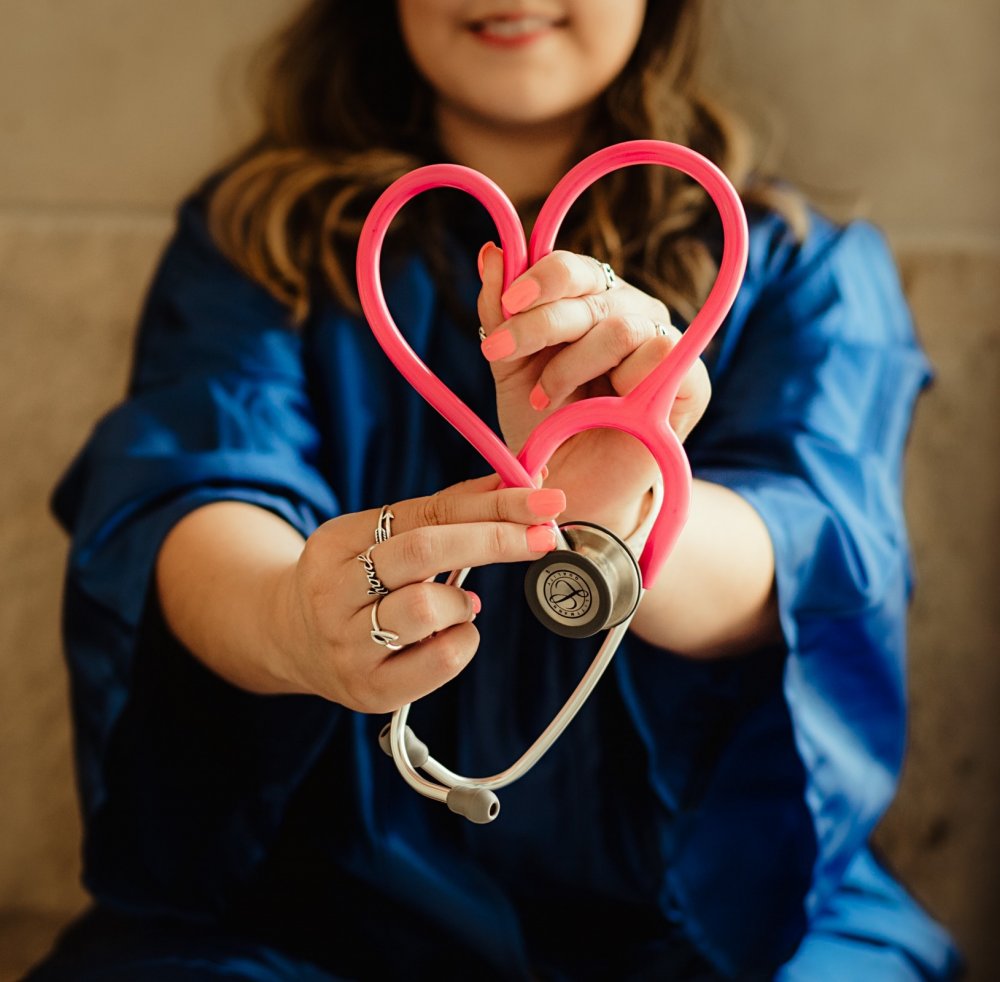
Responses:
[345,113]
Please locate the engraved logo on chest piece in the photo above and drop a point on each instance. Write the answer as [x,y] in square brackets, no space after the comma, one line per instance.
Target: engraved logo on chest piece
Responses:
[567,593]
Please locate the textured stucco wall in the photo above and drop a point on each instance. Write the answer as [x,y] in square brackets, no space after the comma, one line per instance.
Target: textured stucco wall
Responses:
[111,109]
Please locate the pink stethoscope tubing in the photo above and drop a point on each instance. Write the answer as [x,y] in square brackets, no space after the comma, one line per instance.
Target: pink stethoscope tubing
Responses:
[644,412]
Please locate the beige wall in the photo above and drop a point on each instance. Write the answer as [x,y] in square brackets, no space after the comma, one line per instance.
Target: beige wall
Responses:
[892,101]
[110,109]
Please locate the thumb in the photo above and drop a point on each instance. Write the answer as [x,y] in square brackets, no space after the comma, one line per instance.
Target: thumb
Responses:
[488,304]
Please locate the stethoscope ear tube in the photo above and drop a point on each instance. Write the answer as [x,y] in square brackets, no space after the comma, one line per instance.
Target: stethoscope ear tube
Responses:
[477,804]
[475,798]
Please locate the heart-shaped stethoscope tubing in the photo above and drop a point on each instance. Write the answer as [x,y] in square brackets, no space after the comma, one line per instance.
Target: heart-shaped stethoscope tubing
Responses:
[643,413]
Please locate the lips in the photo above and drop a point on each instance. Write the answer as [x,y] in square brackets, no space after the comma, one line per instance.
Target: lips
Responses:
[513,28]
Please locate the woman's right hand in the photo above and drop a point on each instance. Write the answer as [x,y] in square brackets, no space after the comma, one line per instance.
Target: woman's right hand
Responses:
[325,612]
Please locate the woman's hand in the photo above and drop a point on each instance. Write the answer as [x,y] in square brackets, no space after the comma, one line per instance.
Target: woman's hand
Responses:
[272,613]
[571,337]
[325,613]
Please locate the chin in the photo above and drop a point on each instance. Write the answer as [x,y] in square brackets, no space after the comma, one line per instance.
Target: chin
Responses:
[524,112]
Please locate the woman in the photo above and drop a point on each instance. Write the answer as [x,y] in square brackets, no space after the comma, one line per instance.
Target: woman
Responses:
[706,814]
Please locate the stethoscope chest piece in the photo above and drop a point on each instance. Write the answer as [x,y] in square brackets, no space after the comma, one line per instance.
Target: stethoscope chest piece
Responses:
[590,587]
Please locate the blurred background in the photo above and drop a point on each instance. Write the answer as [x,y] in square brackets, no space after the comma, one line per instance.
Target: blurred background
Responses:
[110,110]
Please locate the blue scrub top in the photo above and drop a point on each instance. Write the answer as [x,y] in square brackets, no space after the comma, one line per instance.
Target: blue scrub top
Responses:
[718,807]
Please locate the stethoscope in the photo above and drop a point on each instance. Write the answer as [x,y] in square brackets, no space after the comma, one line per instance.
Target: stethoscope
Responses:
[592,567]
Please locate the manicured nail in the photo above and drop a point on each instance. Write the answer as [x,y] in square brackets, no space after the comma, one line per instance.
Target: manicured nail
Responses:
[477,604]
[520,295]
[541,538]
[547,503]
[498,345]
[482,256]
[544,472]
[538,399]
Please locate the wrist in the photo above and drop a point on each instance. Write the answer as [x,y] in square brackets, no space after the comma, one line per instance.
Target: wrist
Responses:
[283,630]
[621,508]
[652,502]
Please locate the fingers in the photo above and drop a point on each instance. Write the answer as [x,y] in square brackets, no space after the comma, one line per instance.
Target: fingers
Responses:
[566,320]
[489,482]
[627,348]
[488,304]
[556,276]
[453,530]
[648,356]
[521,506]
[563,303]
[408,675]
[692,400]
[419,610]
[427,551]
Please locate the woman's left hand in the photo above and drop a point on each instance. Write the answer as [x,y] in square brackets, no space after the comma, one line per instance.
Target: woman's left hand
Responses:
[572,337]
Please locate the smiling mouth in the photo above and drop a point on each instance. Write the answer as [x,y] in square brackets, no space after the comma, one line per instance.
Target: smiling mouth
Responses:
[513,28]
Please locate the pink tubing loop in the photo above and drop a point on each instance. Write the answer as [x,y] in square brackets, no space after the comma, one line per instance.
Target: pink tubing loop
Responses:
[644,412]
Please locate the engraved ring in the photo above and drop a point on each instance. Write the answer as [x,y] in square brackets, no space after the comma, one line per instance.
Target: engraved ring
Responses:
[387,639]
[376,588]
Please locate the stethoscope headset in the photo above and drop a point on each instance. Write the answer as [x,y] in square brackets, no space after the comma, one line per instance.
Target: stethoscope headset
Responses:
[593,581]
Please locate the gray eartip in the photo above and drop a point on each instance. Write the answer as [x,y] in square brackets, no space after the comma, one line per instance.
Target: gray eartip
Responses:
[416,749]
[478,805]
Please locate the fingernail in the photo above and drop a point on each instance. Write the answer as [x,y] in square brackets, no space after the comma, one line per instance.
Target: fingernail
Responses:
[477,604]
[498,345]
[544,472]
[482,256]
[520,295]
[541,538]
[538,399]
[547,503]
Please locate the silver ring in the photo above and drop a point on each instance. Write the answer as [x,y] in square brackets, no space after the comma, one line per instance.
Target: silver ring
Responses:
[610,279]
[383,530]
[661,329]
[609,274]
[380,636]
[376,588]
[482,333]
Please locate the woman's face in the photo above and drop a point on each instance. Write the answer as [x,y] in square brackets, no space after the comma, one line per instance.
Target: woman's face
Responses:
[519,62]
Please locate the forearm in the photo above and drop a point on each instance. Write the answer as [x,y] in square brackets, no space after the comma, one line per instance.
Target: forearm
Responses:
[715,596]
[221,576]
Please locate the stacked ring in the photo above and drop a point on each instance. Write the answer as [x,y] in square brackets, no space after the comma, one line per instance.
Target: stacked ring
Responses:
[609,274]
[387,639]
[383,530]
[376,588]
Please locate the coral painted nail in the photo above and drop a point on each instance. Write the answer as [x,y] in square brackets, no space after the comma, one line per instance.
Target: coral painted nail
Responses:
[548,502]
[538,399]
[498,345]
[477,604]
[520,295]
[541,538]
